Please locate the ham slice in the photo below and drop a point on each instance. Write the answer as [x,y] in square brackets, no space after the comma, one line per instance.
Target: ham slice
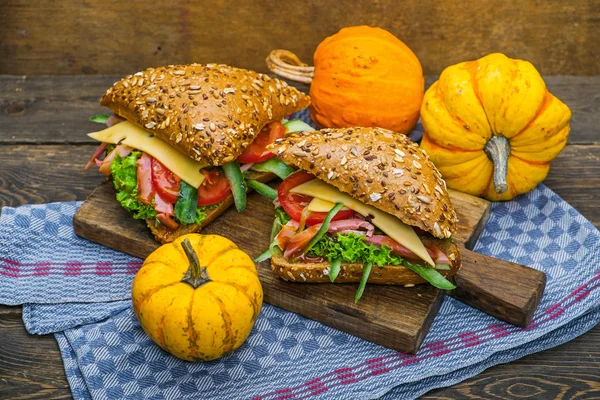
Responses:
[351,225]
[121,150]
[113,120]
[437,255]
[162,206]
[285,234]
[94,158]
[397,249]
[167,221]
[299,241]
[295,243]
[145,188]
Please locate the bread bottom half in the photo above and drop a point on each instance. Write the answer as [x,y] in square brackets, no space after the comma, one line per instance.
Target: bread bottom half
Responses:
[318,272]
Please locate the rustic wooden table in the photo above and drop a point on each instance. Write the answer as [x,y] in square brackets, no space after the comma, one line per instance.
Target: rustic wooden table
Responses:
[43,147]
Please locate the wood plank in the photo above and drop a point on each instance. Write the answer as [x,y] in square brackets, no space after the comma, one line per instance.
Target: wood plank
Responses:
[31,368]
[99,36]
[62,105]
[510,294]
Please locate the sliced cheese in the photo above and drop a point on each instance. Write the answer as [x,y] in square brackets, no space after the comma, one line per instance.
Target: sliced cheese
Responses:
[392,226]
[320,205]
[132,135]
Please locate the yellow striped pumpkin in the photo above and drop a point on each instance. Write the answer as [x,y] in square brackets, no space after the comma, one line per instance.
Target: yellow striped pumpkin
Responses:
[492,127]
[197,297]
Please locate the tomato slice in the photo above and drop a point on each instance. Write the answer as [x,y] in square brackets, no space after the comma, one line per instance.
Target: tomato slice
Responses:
[256,151]
[294,203]
[215,187]
[165,182]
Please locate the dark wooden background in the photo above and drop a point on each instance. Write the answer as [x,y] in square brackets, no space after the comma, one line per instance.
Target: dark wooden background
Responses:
[120,37]
[91,43]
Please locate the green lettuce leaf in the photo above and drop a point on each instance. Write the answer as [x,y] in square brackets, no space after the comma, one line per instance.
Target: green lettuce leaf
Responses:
[351,248]
[282,216]
[124,173]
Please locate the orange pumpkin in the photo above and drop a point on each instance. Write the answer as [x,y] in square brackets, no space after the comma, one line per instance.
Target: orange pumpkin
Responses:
[366,76]
[197,297]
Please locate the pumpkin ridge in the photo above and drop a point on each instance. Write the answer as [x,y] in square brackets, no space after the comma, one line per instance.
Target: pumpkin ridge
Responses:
[455,117]
[548,98]
[472,70]
[529,161]
[227,321]
[161,332]
[192,334]
[220,253]
[154,291]
[157,262]
[245,293]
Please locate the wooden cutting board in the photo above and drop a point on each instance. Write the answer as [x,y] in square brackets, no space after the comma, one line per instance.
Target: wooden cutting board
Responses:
[392,316]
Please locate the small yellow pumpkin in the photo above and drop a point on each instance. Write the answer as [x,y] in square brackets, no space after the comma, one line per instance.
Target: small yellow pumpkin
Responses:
[197,297]
[492,128]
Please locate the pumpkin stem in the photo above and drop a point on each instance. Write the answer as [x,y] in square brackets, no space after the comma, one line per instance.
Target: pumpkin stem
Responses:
[498,150]
[196,275]
[286,64]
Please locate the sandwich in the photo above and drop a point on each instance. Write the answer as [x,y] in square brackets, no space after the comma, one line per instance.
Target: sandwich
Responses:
[364,205]
[186,141]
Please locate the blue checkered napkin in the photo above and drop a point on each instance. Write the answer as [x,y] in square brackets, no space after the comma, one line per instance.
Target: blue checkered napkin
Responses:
[43,261]
[287,356]
[42,319]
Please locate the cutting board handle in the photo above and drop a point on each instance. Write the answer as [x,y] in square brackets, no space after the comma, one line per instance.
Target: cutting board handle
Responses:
[502,289]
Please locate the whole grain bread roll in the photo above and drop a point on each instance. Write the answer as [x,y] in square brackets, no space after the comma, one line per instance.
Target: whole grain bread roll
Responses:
[209,112]
[318,272]
[378,167]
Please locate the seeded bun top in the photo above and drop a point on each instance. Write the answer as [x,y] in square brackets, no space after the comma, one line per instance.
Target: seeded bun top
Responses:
[209,112]
[378,167]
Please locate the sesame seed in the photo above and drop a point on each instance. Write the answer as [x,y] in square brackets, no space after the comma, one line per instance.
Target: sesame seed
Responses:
[398,171]
[212,126]
[354,151]
[229,90]
[424,199]
[179,72]
[344,161]
[399,152]
[199,127]
[244,89]
[159,110]
[399,159]
[150,100]
[150,125]
[194,87]
[437,231]
[331,175]
[416,164]
[374,196]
